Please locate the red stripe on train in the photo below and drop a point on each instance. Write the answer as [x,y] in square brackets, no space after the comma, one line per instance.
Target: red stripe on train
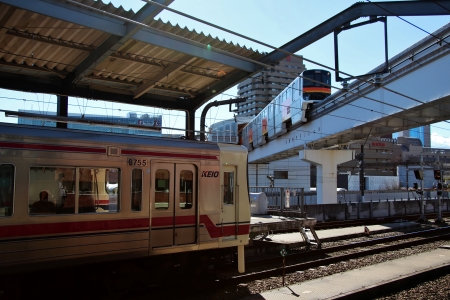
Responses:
[10,231]
[213,230]
[51,147]
[42,147]
[166,154]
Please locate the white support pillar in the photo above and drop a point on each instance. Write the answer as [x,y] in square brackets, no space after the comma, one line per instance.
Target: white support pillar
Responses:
[241,259]
[326,162]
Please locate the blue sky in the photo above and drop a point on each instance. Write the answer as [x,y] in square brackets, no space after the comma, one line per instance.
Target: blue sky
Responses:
[273,22]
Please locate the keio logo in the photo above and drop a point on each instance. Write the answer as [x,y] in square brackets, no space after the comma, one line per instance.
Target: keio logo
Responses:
[210,174]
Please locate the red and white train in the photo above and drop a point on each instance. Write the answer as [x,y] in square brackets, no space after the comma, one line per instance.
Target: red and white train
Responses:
[67,196]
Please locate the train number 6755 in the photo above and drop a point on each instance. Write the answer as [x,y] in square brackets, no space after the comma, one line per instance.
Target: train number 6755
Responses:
[137,162]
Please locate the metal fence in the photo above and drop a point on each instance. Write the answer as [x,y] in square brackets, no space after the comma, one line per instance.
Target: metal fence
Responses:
[283,198]
[294,199]
[388,195]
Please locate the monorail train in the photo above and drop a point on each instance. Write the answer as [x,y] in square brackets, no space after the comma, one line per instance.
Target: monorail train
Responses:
[68,196]
[288,108]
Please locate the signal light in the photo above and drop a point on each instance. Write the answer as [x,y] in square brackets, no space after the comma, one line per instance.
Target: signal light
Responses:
[439,189]
[360,158]
[416,187]
[418,174]
[437,174]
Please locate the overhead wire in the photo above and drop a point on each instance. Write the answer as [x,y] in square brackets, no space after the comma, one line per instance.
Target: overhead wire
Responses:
[267,45]
[112,109]
[278,49]
[288,53]
[410,23]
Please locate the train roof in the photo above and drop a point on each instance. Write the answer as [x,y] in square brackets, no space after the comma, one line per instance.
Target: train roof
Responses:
[97,137]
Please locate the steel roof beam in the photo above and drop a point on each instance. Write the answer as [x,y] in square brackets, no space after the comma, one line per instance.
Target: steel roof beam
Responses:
[357,10]
[193,48]
[16,82]
[118,28]
[113,43]
[70,13]
[150,83]
[227,82]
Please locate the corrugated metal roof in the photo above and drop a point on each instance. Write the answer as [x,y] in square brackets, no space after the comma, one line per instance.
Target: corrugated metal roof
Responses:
[41,47]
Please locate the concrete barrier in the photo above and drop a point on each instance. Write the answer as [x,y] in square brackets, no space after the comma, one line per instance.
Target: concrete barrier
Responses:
[374,209]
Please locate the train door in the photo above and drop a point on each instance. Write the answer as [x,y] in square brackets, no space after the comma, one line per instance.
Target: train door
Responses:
[173,205]
[229,202]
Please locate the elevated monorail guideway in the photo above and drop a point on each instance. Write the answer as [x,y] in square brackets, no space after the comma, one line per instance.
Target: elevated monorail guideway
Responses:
[415,93]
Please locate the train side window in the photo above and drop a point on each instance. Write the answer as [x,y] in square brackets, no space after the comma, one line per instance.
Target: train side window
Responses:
[162,189]
[136,190]
[98,190]
[51,189]
[186,189]
[228,187]
[66,187]
[7,174]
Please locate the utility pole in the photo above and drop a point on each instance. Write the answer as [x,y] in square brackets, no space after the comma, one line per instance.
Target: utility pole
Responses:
[422,204]
[438,177]
[362,182]
[407,180]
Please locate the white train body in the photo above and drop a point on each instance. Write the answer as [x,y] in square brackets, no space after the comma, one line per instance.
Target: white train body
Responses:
[115,196]
[288,109]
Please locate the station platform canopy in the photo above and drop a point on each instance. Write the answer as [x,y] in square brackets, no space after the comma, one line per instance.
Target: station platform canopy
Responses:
[94,50]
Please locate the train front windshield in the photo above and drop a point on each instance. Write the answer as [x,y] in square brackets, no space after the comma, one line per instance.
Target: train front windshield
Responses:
[318,88]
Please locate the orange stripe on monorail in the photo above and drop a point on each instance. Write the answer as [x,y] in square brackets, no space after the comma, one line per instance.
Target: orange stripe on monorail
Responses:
[317,90]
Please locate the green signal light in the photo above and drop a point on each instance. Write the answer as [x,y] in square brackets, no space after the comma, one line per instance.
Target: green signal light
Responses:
[208,47]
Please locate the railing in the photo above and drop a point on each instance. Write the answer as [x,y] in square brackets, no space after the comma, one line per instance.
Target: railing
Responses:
[389,195]
[283,198]
[276,197]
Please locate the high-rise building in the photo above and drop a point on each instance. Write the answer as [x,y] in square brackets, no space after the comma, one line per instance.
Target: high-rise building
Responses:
[422,133]
[266,85]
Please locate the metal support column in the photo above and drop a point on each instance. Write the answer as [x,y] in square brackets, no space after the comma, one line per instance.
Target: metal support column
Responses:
[190,125]
[422,203]
[62,109]
[407,181]
[362,181]
[439,191]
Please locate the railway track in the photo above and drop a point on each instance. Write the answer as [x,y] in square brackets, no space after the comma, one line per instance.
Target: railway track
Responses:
[405,241]
[364,222]
[270,269]
[221,283]
[373,221]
